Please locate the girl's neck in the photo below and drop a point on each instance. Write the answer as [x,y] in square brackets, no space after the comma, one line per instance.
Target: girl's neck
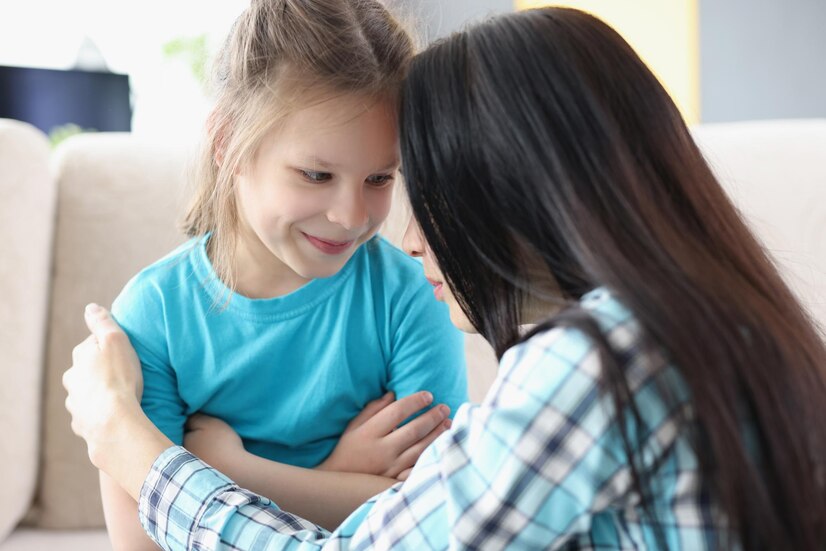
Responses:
[259,274]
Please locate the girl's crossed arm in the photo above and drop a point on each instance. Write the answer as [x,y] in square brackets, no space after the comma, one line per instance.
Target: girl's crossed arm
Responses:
[372,455]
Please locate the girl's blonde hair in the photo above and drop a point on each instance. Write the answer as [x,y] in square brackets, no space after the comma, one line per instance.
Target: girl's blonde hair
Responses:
[281,54]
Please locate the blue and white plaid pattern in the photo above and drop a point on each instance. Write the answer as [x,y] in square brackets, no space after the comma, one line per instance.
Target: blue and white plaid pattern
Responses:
[539,464]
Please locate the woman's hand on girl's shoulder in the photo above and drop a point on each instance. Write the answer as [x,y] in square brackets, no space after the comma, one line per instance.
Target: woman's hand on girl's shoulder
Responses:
[374,443]
[103,383]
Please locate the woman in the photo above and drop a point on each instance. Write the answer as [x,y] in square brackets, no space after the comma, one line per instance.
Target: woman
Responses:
[672,392]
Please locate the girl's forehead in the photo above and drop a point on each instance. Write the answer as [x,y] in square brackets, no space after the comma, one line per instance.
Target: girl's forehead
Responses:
[340,119]
[337,133]
[341,110]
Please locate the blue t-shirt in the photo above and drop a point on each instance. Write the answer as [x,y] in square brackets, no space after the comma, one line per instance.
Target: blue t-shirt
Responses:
[288,373]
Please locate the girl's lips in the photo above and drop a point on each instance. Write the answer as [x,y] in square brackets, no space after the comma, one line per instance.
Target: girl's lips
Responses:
[328,247]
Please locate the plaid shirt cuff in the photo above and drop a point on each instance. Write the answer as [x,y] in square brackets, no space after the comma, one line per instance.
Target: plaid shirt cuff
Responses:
[174,495]
[186,504]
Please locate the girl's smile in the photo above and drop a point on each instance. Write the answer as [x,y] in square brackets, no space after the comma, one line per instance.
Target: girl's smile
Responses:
[328,246]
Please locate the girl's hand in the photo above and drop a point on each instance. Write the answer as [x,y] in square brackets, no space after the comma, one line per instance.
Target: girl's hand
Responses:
[213,441]
[373,442]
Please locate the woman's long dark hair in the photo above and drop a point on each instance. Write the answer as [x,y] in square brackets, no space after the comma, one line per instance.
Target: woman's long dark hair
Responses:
[544,129]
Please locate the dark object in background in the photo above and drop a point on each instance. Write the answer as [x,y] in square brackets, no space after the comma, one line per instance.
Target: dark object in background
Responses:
[50,98]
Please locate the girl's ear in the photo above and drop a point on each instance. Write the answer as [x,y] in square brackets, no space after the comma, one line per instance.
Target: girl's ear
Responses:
[217,129]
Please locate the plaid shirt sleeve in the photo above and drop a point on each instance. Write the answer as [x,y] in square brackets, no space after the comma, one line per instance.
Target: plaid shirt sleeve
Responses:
[530,467]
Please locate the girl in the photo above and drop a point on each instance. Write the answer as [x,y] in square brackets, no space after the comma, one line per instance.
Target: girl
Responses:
[286,314]
[671,394]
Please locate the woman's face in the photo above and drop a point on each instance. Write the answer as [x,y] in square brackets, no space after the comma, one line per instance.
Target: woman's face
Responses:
[415,245]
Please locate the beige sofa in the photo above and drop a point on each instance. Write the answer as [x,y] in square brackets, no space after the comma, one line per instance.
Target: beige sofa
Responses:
[76,223]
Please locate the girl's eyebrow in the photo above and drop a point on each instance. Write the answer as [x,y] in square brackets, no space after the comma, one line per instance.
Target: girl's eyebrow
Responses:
[318,162]
[395,164]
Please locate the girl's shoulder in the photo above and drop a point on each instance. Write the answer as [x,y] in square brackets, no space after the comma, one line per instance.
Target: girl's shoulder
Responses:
[396,282]
[169,272]
[379,249]
[392,266]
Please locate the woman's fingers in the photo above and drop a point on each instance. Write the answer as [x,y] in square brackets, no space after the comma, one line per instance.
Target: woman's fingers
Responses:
[104,329]
[391,416]
[82,348]
[371,409]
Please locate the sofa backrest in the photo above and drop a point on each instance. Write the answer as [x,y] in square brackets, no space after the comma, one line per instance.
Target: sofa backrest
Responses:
[27,202]
[775,172]
[118,200]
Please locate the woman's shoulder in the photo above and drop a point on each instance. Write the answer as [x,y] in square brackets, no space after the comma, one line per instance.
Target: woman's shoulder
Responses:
[600,308]
[572,338]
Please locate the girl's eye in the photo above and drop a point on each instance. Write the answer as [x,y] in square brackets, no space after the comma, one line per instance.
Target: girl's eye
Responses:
[315,177]
[380,180]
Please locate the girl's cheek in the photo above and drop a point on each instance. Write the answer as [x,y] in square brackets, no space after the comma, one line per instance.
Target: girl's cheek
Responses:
[380,203]
[303,204]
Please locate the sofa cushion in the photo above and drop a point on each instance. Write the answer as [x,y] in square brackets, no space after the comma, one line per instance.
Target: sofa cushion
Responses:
[30,539]
[119,198]
[27,197]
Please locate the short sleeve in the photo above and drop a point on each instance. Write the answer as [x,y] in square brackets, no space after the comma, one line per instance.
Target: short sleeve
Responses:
[139,310]
[427,351]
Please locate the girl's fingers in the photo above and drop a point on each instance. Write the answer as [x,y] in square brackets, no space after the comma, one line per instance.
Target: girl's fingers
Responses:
[404,474]
[409,457]
[391,416]
[371,409]
[419,428]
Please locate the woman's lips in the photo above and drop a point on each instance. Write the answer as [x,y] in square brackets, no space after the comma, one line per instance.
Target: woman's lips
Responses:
[437,288]
[326,246]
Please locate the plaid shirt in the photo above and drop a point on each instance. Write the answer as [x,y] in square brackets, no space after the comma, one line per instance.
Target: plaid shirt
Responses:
[539,464]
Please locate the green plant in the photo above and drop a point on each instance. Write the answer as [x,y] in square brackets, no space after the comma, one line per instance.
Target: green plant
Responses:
[194,50]
[60,133]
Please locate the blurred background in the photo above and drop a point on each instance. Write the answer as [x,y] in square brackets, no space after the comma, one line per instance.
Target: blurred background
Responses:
[78,221]
[87,65]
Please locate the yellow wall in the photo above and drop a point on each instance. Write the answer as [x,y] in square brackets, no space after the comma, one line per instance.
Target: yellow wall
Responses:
[664,33]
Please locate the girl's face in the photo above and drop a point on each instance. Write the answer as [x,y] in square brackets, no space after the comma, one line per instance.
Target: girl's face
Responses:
[319,186]
[415,245]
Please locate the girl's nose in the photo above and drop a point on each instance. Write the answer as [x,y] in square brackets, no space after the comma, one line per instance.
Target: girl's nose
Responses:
[349,210]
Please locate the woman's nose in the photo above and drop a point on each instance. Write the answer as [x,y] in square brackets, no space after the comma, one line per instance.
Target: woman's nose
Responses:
[412,242]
